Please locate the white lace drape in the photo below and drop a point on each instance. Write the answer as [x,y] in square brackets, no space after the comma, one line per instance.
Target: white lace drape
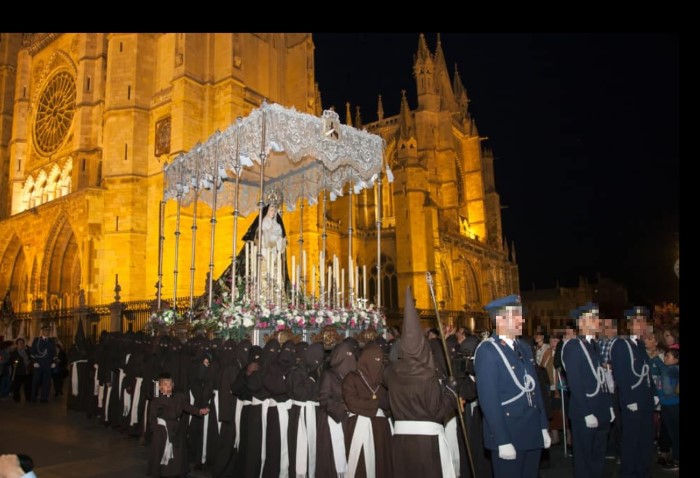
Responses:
[301,160]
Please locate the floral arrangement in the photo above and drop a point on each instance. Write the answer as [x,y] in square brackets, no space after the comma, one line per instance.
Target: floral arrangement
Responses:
[163,319]
[233,316]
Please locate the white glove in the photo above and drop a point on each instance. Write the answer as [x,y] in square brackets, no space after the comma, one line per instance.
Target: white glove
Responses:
[632,407]
[612,414]
[36,364]
[53,365]
[506,452]
[547,438]
[656,400]
[591,421]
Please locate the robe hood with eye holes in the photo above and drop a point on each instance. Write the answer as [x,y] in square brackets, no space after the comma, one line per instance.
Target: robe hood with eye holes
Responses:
[415,355]
[343,359]
[370,364]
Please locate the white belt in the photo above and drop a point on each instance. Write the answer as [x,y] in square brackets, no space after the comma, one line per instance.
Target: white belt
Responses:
[413,427]
[126,403]
[96,389]
[74,377]
[216,407]
[205,430]
[363,437]
[137,397]
[452,443]
[306,439]
[338,444]
[168,450]
[239,407]
[121,380]
[283,417]
[109,393]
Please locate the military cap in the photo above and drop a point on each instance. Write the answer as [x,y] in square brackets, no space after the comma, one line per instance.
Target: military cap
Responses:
[637,311]
[494,307]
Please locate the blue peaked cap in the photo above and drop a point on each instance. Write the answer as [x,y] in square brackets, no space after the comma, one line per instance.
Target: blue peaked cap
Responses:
[495,306]
[636,311]
[588,308]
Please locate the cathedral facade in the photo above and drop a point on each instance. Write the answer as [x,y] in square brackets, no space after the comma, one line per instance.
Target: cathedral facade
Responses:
[89,121]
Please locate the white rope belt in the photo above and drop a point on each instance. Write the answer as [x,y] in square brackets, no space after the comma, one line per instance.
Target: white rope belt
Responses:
[109,394]
[413,427]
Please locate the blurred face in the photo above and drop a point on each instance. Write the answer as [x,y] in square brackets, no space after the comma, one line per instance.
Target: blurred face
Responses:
[609,328]
[166,386]
[589,324]
[639,326]
[539,338]
[650,341]
[271,211]
[553,342]
[670,359]
[669,338]
[510,323]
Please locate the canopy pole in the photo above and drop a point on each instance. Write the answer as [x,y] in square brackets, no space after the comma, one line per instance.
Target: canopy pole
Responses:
[161,240]
[177,237]
[351,290]
[237,169]
[194,229]
[215,180]
[263,160]
[379,240]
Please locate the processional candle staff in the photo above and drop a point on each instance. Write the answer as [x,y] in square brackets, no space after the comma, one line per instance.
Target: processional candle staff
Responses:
[180,188]
[195,186]
[161,240]
[237,169]
[215,185]
[263,160]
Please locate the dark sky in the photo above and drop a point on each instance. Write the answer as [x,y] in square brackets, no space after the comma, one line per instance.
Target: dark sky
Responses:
[584,129]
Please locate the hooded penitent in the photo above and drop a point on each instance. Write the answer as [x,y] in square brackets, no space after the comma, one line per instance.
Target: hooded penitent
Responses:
[415,356]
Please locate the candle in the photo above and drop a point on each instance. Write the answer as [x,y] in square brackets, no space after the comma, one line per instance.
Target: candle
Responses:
[357,282]
[350,271]
[330,287]
[294,276]
[342,286]
[313,282]
[364,281]
[278,273]
[247,258]
[303,267]
[321,269]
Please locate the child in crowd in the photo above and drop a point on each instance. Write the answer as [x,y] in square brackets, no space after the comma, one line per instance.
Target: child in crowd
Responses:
[669,397]
[168,453]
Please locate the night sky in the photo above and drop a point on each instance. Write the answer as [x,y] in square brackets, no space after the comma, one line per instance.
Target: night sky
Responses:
[584,129]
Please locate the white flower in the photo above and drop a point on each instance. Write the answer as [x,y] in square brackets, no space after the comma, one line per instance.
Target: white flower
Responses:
[248,322]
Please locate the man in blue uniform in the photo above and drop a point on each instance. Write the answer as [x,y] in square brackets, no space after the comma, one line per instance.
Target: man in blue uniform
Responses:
[43,351]
[590,409]
[630,365]
[515,422]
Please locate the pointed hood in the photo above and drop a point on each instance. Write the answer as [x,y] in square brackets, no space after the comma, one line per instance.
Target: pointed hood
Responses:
[370,364]
[415,356]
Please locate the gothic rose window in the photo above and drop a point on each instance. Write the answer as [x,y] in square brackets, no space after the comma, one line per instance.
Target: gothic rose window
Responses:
[54,112]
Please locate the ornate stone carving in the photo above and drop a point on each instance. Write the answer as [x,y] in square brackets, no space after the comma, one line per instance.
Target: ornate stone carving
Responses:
[162,143]
[54,113]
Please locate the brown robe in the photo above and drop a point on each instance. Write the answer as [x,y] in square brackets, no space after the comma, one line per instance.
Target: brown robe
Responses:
[363,401]
[170,409]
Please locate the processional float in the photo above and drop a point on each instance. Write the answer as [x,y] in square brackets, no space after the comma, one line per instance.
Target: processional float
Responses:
[280,152]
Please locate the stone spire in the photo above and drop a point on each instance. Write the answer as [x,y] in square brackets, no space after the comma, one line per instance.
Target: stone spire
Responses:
[348,115]
[460,92]
[424,72]
[405,117]
[512,251]
[319,106]
[358,118]
[380,108]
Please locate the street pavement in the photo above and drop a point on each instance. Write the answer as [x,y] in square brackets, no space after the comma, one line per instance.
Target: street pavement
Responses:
[67,444]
